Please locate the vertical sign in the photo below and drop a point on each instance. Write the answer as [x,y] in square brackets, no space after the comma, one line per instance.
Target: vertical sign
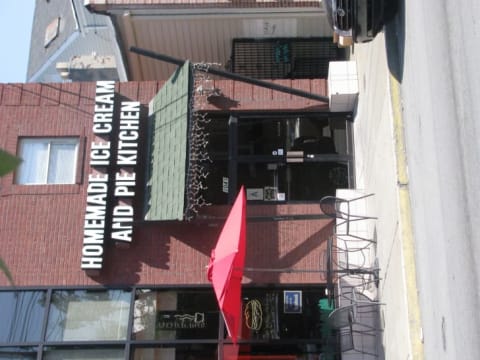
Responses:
[112,160]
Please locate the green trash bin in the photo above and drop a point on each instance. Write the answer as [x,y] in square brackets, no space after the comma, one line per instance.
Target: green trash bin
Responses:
[325,307]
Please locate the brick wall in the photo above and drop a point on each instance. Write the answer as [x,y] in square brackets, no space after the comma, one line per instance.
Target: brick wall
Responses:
[238,96]
[41,227]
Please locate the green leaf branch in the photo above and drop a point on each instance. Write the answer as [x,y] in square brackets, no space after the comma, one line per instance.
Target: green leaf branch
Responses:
[8,163]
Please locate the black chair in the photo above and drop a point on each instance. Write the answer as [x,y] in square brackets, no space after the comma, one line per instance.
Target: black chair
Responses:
[348,259]
[346,320]
[349,264]
[340,209]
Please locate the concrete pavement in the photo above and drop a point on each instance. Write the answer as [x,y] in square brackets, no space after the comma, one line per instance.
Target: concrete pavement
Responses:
[381,168]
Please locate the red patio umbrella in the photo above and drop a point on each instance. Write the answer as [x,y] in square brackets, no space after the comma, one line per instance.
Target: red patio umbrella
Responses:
[225,270]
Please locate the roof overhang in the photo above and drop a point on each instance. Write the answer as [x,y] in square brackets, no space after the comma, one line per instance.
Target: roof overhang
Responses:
[169,119]
[177,151]
[203,33]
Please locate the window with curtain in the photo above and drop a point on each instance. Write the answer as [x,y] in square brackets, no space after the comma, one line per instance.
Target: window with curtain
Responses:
[47,160]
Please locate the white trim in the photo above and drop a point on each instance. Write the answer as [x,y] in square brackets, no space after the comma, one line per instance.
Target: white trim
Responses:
[54,57]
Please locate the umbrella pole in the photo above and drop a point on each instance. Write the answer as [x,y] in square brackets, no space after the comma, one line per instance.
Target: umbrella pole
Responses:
[290,270]
[286,270]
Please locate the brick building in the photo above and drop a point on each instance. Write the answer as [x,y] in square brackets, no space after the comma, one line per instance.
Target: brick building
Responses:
[107,237]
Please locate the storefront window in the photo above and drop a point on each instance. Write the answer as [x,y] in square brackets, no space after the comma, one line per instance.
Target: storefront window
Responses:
[14,353]
[178,352]
[278,158]
[289,314]
[176,324]
[264,181]
[161,315]
[83,354]
[21,315]
[275,136]
[88,315]
[280,182]
[313,180]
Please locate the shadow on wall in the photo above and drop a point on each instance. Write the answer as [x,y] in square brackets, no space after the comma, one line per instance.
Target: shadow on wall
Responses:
[166,252]
[178,252]
[288,251]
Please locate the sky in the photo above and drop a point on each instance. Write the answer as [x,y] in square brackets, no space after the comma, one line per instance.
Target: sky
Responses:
[16,17]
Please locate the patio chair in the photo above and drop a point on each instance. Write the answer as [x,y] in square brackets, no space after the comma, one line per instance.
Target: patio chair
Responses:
[355,295]
[341,317]
[347,263]
[346,339]
[349,320]
[340,209]
[350,259]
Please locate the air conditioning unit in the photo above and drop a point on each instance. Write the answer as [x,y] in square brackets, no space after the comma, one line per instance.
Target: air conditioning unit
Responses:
[89,68]
[342,85]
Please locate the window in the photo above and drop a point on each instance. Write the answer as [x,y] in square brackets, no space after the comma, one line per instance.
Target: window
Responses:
[47,160]
[178,352]
[21,316]
[278,157]
[187,314]
[162,323]
[88,315]
[109,353]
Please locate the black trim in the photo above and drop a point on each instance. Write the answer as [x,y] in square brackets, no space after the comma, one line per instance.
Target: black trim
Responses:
[232,157]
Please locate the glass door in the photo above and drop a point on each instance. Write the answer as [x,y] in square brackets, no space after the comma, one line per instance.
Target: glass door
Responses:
[293,158]
[278,158]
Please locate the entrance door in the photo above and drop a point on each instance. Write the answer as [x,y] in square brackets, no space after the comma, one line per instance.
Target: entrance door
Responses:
[278,157]
[291,158]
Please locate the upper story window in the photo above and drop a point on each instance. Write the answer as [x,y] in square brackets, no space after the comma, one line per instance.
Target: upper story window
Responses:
[47,161]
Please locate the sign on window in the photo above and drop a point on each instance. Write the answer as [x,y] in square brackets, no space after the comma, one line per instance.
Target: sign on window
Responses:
[292,301]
